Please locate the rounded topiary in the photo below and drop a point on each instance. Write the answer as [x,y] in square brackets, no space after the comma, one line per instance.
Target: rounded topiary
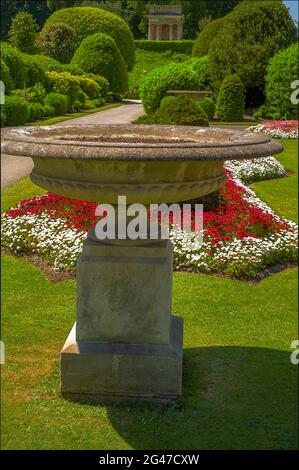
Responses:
[200,65]
[205,37]
[155,85]
[49,110]
[57,40]
[48,63]
[100,55]
[209,107]
[281,72]
[90,87]
[16,110]
[166,100]
[23,32]
[58,101]
[231,99]
[182,111]
[252,33]
[5,76]
[35,70]
[14,60]
[101,81]
[90,20]
[65,83]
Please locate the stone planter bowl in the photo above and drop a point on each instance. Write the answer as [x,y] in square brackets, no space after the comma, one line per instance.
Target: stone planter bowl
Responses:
[148,164]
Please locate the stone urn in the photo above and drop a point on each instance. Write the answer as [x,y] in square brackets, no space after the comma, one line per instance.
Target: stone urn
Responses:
[126,344]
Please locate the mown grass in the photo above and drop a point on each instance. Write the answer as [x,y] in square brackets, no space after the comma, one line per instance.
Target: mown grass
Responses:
[239,386]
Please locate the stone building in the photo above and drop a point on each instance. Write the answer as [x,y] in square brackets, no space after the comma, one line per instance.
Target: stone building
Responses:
[165,23]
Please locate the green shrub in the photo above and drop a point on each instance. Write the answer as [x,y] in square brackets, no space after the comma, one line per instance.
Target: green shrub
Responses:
[155,85]
[231,99]
[3,118]
[23,32]
[252,33]
[90,87]
[35,70]
[89,20]
[208,105]
[5,76]
[205,37]
[64,83]
[49,110]
[58,101]
[182,111]
[201,67]
[183,47]
[36,111]
[100,55]
[16,110]
[73,69]
[166,100]
[101,81]
[146,119]
[57,40]
[281,72]
[14,60]
[98,102]
[37,93]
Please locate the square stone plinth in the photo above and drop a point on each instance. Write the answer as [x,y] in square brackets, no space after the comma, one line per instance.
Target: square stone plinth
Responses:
[124,293]
[104,372]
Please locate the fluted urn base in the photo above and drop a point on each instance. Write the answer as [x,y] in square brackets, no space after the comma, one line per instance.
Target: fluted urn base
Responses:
[126,344]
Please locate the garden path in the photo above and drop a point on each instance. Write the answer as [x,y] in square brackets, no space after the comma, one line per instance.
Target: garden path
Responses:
[15,168]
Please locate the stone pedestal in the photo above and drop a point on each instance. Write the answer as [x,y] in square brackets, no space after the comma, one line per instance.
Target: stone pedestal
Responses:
[126,344]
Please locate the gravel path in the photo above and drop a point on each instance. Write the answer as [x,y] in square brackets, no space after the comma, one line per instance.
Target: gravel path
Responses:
[15,168]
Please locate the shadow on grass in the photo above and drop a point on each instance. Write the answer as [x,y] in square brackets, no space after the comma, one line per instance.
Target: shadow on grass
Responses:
[233,398]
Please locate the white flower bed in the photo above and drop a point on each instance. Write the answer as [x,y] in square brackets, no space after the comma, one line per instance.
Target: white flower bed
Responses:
[61,245]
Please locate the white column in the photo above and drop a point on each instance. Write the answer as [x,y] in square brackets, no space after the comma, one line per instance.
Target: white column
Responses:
[158,32]
[170,32]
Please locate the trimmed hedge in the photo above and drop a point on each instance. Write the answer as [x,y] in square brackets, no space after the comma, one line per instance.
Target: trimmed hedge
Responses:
[182,111]
[173,76]
[65,83]
[231,99]
[57,40]
[206,36]
[5,76]
[15,110]
[100,55]
[209,107]
[58,101]
[101,81]
[35,70]
[90,20]
[201,67]
[48,63]
[252,33]
[281,72]
[14,60]
[182,47]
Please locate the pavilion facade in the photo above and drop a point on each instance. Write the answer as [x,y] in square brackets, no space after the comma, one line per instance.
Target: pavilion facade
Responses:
[165,23]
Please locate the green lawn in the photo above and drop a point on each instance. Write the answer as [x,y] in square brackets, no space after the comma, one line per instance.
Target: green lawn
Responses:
[239,387]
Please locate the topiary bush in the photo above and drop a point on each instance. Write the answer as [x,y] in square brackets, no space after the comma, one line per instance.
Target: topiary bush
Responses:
[14,60]
[5,76]
[155,85]
[58,101]
[90,87]
[182,111]
[48,63]
[100,55]
[35,70]
[23,32]
[57,40]
[49,110]
[64,83]
[209,107]
[101,81]
[201,67]
[36,111]
[205,37]
[281,72]
[87,21]
[231,99]
[252,33]
[16,111]
[166,100]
